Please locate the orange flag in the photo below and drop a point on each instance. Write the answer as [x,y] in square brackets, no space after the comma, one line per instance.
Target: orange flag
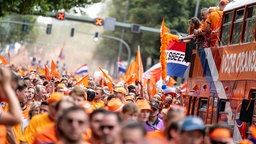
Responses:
[3,60]
[139,69]
[109,80]
[108,77]
[83,81]
[130,75]
[163,29]
[152,86]
[171,82]
[54,70]
[40,71]
[47,73]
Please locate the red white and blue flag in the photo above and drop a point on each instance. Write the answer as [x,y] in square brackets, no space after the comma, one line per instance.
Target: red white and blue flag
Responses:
[121,67]
[82,69]
[175,55]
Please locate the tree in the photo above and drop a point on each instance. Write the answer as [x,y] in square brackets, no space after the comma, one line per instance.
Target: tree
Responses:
[24,7]
[148,13]
[20,10]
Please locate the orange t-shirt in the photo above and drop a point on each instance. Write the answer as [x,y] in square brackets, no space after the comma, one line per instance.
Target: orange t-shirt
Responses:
[97,105]
[46,135]
[25,112]
[36,124]
[214,19]
[49,135]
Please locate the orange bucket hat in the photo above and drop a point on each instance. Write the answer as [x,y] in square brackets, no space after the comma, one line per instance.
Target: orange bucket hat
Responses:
[55,97]
[115,105]
[143,104]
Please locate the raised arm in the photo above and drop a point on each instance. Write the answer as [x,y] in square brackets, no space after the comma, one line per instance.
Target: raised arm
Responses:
[14,115]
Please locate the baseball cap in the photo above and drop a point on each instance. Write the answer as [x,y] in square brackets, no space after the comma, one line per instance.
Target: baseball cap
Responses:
[154,105]
[192,123]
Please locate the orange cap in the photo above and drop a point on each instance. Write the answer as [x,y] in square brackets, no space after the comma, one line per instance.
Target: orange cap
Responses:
[55,97]
[220,133]
[143,104]
[115,105]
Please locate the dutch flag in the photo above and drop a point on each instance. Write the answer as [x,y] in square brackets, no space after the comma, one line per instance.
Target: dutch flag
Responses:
[82,69]
[121,67]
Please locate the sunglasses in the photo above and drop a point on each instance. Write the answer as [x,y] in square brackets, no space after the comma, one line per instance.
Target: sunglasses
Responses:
[217,142]
[110,127]
[70,121]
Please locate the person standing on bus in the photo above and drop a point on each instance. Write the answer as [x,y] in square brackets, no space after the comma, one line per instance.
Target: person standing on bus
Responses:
[214,22]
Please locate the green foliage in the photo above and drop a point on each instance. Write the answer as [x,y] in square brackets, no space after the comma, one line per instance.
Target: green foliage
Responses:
[19,10]
[11,32]
[176,14]
[41,6]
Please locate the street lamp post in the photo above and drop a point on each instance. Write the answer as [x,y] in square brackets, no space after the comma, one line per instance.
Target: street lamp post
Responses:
[123,42]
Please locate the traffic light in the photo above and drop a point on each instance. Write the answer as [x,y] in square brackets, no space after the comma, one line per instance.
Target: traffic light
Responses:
[96,36]
[135,28]
[99,22]
[61,16]
[72,33]
[24,26]
[49,29]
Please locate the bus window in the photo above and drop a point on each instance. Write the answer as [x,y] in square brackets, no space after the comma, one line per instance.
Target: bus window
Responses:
[202,112]
[237,29]
[250,24]
[226,28]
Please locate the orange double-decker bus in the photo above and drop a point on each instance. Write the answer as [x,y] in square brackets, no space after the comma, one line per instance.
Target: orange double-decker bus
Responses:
[222,79]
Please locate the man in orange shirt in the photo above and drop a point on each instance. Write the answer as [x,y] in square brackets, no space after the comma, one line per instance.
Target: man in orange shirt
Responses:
[49,133]
[41,121]
[95,119]
[97,101]
[214,22]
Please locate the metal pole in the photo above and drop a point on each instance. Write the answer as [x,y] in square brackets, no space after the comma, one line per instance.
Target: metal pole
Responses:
[122,41]
[197,7]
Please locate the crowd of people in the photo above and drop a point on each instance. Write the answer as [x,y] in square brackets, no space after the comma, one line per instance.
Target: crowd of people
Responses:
[38,110]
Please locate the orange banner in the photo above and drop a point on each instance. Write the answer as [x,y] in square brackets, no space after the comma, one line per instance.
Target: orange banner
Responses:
[238,63]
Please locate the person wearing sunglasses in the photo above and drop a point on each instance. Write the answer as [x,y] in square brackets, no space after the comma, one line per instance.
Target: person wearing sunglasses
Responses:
[71,125]
[98,99]
[111,128]
[220,134]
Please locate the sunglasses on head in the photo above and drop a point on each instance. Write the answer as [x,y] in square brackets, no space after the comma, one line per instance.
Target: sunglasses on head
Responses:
[110,127]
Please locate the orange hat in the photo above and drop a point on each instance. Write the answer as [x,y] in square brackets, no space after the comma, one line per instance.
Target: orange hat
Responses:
[115,105]
[121,90]
[225,2]
[220,133]
[143,104]
[55,97]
